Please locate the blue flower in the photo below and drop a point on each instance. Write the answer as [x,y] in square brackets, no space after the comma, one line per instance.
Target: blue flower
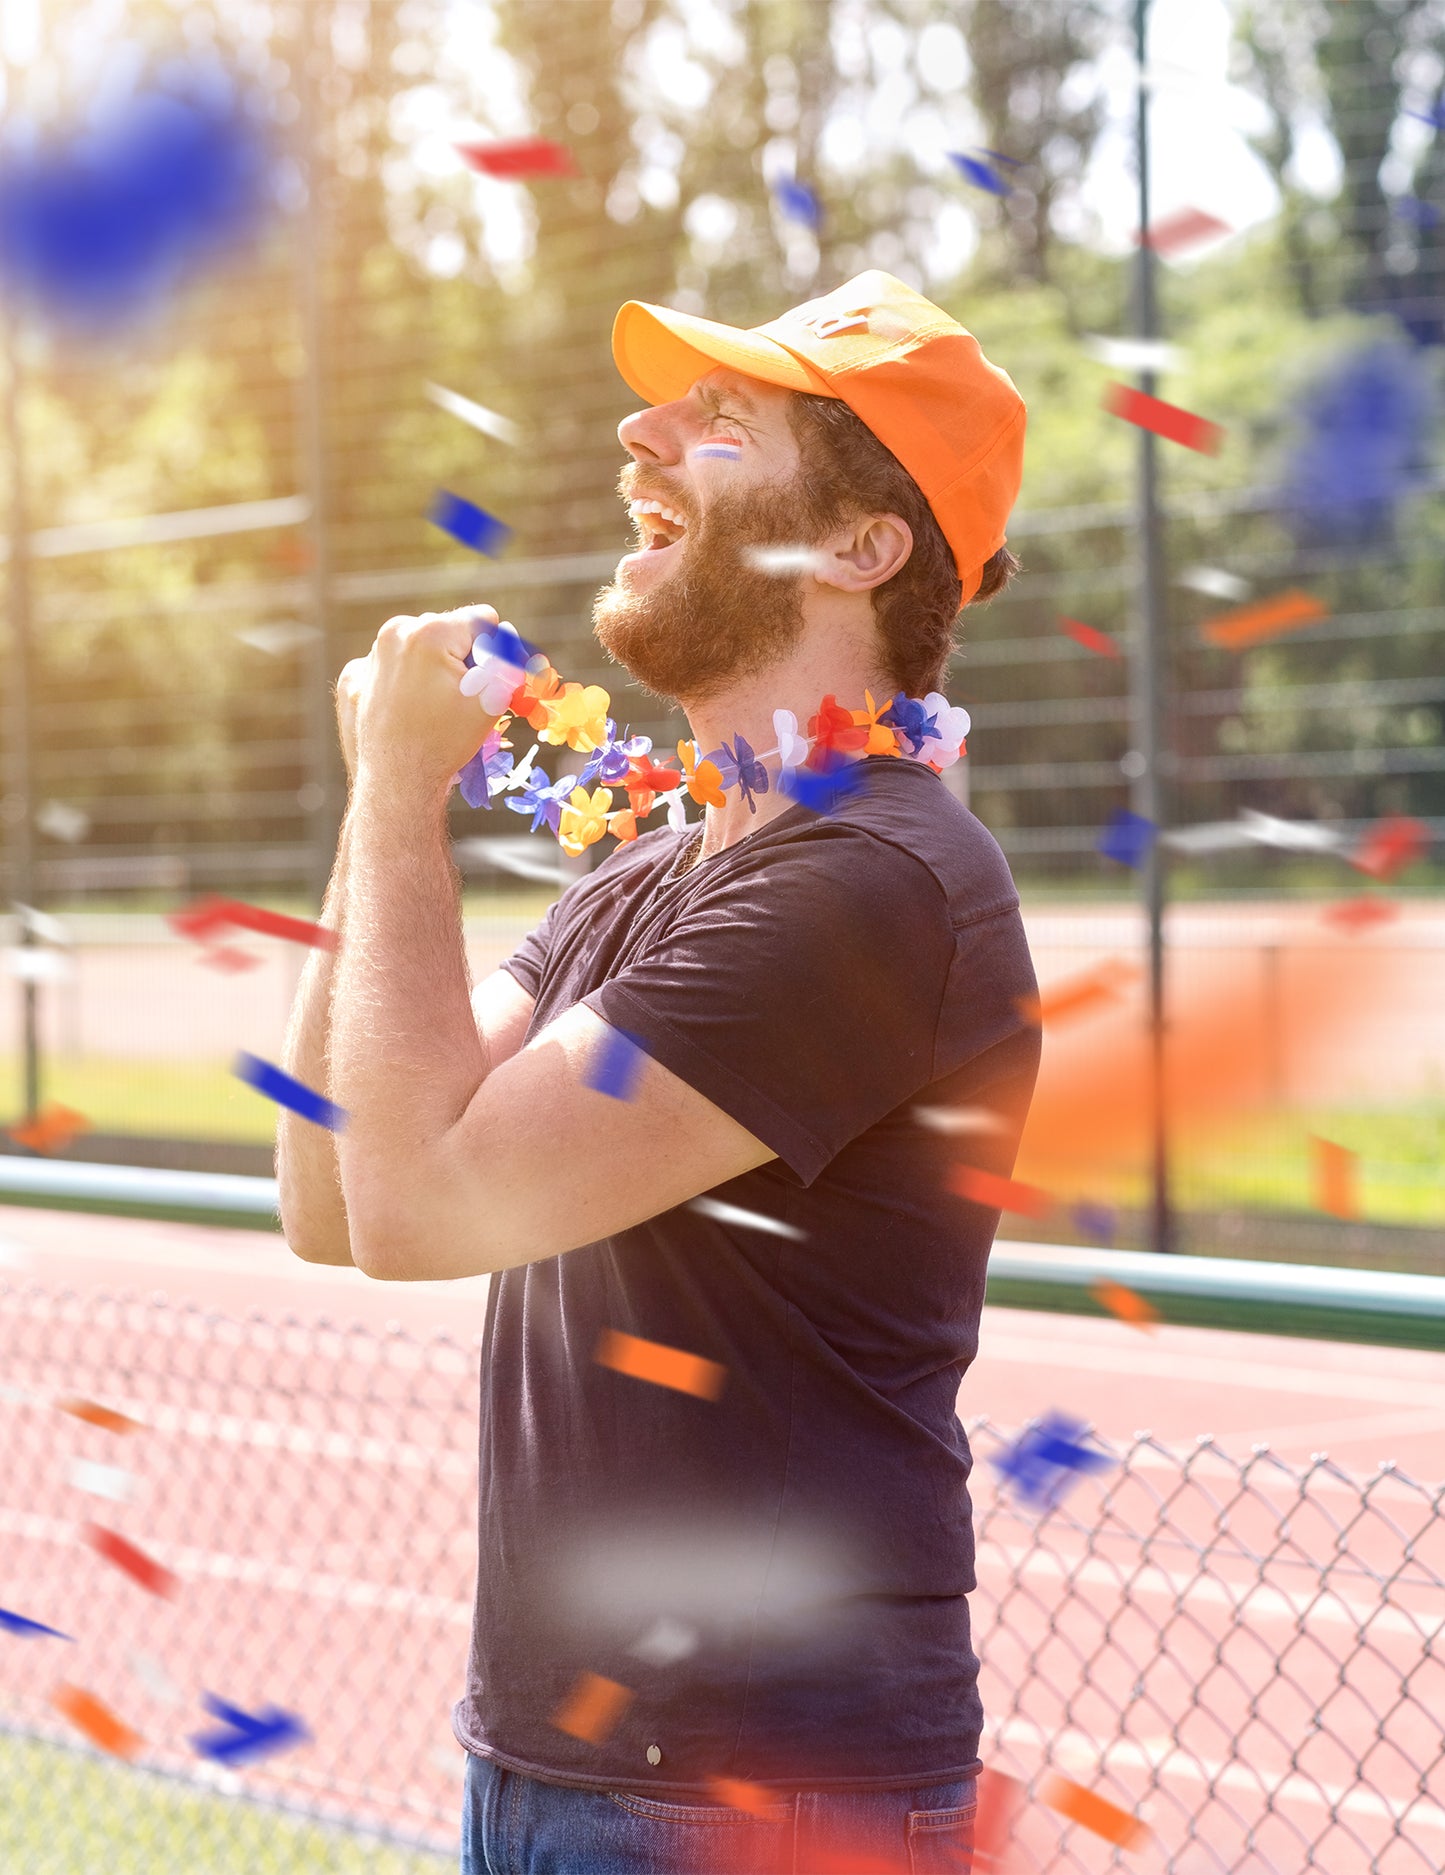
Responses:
[610,762]
[746,770]
[912,721]
[543,800]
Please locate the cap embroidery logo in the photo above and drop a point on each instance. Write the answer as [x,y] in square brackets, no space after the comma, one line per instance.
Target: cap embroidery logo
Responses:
[829,325]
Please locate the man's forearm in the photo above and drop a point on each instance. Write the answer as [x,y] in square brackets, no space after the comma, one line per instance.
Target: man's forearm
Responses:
[313,1211]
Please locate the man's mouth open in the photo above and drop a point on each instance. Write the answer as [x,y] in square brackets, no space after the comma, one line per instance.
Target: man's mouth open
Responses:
[659,527]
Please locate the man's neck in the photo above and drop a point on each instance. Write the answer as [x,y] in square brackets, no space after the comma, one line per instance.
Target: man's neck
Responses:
[798,683]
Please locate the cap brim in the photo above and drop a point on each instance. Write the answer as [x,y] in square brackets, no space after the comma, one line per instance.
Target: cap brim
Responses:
[662,354]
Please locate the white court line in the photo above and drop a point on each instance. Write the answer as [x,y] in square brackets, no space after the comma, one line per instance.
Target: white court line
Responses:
[1167,1759]
[1134,1360]
[193,1565]
[1382,1425]
[1326,1608]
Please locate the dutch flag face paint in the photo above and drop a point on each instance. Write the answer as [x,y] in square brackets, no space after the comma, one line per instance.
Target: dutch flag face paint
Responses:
[719,452]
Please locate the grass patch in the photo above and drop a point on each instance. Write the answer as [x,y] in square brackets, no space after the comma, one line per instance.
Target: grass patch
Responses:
[156,1099]
[66,1813]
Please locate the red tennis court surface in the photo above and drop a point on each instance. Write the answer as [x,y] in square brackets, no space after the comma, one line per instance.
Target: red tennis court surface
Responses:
[1197,1637]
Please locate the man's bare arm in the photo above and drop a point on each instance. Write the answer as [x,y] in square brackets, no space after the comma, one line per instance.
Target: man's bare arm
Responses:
[313,1211]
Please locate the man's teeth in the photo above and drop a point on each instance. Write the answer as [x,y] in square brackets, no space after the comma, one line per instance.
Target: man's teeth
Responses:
[637,509]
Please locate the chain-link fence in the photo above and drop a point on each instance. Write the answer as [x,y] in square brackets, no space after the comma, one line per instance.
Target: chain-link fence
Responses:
[1244,1654]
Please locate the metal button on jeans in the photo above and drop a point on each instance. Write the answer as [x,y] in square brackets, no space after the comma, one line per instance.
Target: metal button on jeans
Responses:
[654,1754]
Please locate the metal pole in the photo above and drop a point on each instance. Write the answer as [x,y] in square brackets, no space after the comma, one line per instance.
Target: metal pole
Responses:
[19,686]
[1149,678]
[323,774]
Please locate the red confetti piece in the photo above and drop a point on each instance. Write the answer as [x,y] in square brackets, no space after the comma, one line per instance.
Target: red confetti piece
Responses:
[1094,1813]
[207,916]
[1391,846]
[51,1130]
[519,156]
[1336,1178]
[93,1717]
[134,1562]
[1089,638]
[663,1366]
[101,1416]
[1125,1303]
[1077,994]
[1250,624]
[1001,1194]
[1166,420]
[1001,1801]
[1357,914]
[1186,229]
[592,1709]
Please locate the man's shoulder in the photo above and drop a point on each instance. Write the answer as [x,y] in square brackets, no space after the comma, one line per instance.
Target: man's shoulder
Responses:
[905,817]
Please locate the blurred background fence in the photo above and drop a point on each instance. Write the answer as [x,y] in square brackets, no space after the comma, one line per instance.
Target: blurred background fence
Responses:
[1241,1652]
[218,487]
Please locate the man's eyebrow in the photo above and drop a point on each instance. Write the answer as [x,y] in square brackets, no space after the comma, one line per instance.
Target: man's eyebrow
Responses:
[715,394]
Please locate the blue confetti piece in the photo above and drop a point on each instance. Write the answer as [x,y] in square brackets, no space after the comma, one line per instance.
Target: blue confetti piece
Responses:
[279,1086]
[799,203]
[1046,1459]
[1127,838]
[1411,208]
[615,1065]
[1095,1220]
[822,791]
[1363,442]
[506,642]
[469,524]
[98,228]
[979,173]
[248,1735]
[21,1624]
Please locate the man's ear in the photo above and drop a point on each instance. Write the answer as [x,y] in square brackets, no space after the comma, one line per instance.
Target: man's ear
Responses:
[865,553]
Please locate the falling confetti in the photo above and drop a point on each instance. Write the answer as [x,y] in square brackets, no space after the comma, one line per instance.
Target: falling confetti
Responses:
[738,1794]
[1177,233]
[798,202]
[593,1709]
[1335,1178]
[666,1642]
[999,1194]
[246,1735]
[1166,420]
[469,524]
[1390,846]
[1252,624]
[477,415]
[1127,838]
[52,1129]
[1045,1459]
[1093,1813]
[1089,638]
[1125,1304]
[1215,582]
[661,1365]
[112,1481]
[614,1065]
[99,1724]
[736,1214]
[1087,990]
[1133,354]
[23,1625]
[515,157]
[286,1091]
[133,1562]
[961,1119]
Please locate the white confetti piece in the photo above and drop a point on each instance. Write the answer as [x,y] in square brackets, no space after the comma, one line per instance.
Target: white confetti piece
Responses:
[112,1481]
[960,1119]
[750,1220]
[666,1641]
[480,418]
[154,1678]
[1133,354]
[784,559]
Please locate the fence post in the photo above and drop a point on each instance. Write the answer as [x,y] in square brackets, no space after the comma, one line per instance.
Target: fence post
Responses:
[1147,678]
[19,686]
[323,779]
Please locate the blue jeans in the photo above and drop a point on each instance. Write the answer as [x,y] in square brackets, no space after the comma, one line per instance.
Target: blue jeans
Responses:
[516,1825]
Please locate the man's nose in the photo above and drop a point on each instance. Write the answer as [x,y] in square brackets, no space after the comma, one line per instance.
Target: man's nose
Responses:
[653,435]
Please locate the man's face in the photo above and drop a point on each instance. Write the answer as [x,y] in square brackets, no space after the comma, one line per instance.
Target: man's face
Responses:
[712,475]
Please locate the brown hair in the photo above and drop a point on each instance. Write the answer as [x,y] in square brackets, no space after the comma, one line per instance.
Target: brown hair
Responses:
[846,471]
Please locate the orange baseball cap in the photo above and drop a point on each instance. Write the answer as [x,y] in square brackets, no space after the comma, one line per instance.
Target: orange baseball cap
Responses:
[916,377]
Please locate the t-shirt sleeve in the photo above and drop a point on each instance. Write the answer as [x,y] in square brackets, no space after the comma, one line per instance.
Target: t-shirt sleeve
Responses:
[801,995]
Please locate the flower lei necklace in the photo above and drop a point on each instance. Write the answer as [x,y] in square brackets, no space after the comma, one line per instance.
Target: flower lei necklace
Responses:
[513,680]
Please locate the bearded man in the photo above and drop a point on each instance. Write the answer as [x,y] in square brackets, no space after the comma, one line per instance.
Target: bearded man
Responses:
[725,1538]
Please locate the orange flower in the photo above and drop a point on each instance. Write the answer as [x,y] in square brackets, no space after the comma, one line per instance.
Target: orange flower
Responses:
[704,779]
[881,739]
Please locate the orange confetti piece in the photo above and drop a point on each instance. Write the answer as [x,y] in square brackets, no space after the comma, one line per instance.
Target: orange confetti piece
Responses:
[1094,1813]
[592,1709]
[1077,994]
[663,1366]
[1125,1303]
[738,1794]
[1336,1178]
[1003,1194]
[101,1416]
[1250,624]
[93,1717]
[51,1130]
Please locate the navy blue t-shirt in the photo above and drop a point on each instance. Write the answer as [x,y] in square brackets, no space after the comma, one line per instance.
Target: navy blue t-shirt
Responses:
[773,1581]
